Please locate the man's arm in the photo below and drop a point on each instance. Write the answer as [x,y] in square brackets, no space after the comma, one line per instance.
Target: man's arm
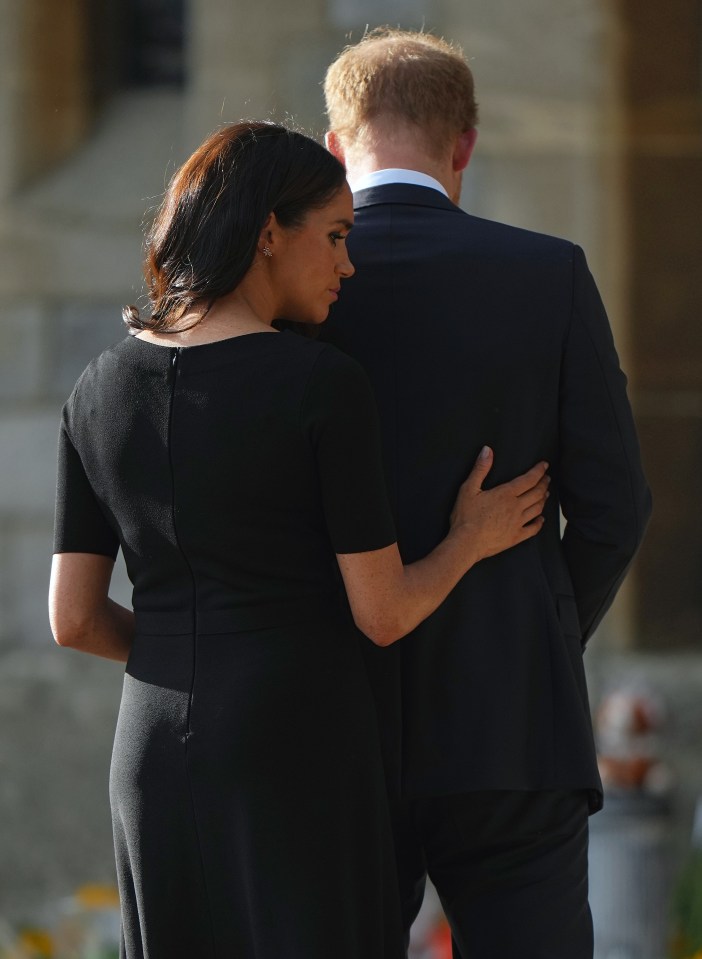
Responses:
[604,495]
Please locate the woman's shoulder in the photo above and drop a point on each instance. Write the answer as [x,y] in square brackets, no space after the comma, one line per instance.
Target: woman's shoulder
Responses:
[333,365]
[103,363]
[337,385]
[316,358]
[114,363]
[319,351]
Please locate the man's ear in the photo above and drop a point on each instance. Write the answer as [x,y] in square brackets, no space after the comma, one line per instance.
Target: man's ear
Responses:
[463,149]
[332,141]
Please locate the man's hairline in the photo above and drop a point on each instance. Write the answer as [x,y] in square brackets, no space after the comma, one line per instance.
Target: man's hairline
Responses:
[358,139]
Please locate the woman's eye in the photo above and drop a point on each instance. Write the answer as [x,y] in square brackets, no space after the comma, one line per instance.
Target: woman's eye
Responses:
[336,236]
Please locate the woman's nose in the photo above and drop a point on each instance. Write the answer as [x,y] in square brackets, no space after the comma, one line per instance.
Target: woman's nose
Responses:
[345,268]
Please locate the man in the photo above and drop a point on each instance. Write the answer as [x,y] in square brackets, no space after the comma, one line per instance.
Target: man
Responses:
[472,333]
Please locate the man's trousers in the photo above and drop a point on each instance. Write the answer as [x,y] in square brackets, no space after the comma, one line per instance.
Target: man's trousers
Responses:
[510,869]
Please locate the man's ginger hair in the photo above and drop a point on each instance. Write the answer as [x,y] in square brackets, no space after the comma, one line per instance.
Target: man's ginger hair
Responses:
[400,78]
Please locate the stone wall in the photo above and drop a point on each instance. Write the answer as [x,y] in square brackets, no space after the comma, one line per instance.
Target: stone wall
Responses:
[70,257]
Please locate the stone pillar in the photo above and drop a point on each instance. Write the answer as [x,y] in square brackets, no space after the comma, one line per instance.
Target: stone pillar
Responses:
[10,61]
[661,67]
[45,98]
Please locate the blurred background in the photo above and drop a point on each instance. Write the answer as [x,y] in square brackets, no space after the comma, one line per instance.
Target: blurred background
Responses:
[591,128]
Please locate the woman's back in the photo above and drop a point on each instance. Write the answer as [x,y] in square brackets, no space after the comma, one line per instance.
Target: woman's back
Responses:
[246,760]
[227,472]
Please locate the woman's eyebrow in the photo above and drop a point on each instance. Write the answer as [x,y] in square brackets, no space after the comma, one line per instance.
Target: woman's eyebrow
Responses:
[344,223]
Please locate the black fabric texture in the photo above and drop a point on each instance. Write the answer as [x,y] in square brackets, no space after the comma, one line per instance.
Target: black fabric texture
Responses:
[247,787]
[511,868]
[473,332]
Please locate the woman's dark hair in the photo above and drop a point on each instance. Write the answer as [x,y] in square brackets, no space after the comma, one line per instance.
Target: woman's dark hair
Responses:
[205,234]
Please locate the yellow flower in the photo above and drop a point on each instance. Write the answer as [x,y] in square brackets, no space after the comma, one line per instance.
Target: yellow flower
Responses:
[36,942]
[94,896]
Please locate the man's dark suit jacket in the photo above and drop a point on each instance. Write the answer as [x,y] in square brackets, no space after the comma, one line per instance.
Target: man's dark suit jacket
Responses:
[472,333]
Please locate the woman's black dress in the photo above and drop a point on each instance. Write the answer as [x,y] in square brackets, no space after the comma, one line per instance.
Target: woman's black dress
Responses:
[248,800]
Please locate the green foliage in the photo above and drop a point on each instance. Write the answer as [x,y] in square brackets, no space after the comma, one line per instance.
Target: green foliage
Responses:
[687,910]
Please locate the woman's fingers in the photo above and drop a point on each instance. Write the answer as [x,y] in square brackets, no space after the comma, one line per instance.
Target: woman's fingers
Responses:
[505,515]
[481,468]
[530,479]
[527,532]
[533,511]
[537,494]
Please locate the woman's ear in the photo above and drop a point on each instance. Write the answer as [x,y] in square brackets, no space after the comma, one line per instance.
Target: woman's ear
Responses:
[269,235]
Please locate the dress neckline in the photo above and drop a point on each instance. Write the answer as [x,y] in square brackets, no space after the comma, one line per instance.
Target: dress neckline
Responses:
[206,356]
[197,346]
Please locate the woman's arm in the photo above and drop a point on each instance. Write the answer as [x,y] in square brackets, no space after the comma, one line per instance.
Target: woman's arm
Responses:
[388,599]
[81,613]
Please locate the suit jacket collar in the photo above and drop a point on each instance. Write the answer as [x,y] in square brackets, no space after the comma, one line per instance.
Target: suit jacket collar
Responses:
[407,193]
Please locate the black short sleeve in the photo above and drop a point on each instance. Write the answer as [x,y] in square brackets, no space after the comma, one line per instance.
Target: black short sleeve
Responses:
[340,417]
[80,525]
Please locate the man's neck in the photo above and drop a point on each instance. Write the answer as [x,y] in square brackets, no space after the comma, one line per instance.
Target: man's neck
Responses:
[395,175]
[360,165]
[389,145]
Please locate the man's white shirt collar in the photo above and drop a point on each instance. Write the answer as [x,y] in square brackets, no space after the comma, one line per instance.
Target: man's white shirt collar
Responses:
[395,175]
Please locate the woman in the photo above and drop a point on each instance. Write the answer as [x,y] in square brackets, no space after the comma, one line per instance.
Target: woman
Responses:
[230,462]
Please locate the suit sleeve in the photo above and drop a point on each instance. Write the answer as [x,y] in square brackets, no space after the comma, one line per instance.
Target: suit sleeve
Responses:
[604,495]
[340,418]
[80,525]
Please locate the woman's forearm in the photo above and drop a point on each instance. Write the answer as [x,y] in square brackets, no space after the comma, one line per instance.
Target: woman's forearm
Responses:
[428,581]
[388,599]
[114,633]
[81,613]
[108,632]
